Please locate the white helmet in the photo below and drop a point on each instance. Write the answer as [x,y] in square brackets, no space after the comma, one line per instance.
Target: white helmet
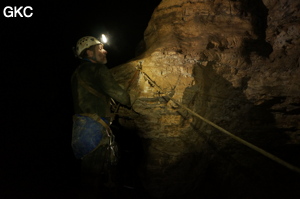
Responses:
[84,43]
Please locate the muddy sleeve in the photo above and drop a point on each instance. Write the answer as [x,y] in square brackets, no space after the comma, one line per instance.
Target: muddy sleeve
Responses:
[110,87]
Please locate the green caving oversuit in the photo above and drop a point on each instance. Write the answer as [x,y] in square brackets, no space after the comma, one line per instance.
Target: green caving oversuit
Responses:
[98,77]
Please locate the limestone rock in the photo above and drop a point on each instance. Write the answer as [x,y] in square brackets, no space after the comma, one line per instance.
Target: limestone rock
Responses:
[236,63]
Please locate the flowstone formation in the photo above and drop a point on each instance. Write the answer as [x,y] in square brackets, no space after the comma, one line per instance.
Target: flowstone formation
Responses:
[236,63]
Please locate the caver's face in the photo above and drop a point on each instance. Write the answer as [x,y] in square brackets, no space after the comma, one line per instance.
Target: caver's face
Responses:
[98,55]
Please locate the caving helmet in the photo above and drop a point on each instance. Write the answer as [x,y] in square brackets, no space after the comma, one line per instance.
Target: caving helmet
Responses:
[85,43]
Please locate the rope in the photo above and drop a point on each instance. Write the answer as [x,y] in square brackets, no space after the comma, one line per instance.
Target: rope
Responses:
[248,144]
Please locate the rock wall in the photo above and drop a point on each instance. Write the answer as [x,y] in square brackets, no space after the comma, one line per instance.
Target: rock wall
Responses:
[234,62]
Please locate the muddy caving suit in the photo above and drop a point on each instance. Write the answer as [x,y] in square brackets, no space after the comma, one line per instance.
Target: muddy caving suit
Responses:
[98,77]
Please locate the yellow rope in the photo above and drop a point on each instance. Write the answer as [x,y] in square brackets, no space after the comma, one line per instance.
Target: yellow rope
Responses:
[261,151]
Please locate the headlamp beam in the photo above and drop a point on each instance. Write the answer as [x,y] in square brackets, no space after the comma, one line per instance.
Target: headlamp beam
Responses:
[103,39]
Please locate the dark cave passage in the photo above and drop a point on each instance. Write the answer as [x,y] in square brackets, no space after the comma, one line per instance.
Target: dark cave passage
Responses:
[233,62]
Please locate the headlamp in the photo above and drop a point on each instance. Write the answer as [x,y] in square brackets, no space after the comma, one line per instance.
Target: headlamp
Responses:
[103,39]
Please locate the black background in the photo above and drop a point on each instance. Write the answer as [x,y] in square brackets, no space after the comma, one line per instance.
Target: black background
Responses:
[36,103]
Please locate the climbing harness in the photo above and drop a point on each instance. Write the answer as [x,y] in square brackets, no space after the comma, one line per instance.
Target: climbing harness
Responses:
[112,146]
[248,144]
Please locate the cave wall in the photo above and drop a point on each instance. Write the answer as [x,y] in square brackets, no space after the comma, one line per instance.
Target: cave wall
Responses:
[235,63]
